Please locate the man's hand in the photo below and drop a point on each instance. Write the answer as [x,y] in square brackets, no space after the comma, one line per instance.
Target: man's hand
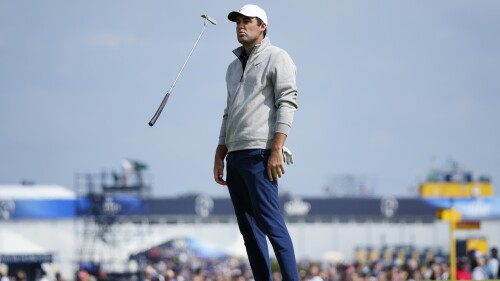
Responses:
[220,154]
[276,163]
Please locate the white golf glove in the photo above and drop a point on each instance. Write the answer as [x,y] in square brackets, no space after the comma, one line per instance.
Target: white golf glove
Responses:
[287,156]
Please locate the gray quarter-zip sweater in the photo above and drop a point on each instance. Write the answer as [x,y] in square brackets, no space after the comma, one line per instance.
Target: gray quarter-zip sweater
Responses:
[261,98]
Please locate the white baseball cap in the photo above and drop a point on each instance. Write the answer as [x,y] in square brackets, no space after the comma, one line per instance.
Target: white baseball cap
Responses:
[249,10]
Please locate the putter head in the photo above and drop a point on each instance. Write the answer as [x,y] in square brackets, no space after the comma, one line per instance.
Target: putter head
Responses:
[211,20]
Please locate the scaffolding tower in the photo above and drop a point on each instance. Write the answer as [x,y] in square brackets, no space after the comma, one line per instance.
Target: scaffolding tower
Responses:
[103,233]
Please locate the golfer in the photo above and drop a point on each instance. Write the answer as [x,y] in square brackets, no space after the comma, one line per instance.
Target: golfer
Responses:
[261,102]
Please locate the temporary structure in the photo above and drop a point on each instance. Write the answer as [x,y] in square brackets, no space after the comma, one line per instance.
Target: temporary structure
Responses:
[15,248]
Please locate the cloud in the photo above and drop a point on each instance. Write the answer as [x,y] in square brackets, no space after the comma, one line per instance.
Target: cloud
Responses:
[109,40]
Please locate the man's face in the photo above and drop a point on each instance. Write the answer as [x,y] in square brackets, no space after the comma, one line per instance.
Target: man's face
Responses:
[248,31]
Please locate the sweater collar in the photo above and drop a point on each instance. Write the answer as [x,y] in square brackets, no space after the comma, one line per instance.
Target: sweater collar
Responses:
[240,51]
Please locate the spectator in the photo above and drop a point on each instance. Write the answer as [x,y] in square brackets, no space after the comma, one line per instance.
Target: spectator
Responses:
[314,273]
[436,271]
[3,272]
[493,265]
[59,277]
[445,271]
[409,268]
[416,276]
[393,274]
[376,268]
[83,275]
[462,272]
[478,269]
[199,274]
[169,275]
[425,271]
[331,273]
[20,276]
[148,273]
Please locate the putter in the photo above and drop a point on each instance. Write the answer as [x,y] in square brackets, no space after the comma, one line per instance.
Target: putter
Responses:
[167,95]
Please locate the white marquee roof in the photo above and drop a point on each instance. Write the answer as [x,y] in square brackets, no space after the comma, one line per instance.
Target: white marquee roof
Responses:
[24,192]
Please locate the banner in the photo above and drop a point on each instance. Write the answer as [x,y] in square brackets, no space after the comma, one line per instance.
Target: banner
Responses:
[480,208]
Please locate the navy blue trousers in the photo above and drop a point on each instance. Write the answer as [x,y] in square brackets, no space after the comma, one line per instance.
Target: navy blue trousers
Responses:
[255,201]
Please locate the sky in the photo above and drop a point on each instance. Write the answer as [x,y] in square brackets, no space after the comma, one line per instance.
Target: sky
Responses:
[386,90]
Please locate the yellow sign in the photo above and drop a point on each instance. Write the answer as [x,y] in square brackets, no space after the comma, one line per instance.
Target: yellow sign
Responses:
[448,215]
[456,189]
[478,244]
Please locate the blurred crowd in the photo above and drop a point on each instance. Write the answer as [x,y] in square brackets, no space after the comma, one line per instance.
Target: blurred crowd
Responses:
[474,266]
[39,274]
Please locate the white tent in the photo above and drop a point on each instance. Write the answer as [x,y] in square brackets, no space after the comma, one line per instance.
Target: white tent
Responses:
[24,192]
[16,248]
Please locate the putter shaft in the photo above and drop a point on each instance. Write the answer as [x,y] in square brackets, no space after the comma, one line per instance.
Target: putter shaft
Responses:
[167,95]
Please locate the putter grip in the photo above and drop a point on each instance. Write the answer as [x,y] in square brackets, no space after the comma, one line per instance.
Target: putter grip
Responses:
[160,109]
